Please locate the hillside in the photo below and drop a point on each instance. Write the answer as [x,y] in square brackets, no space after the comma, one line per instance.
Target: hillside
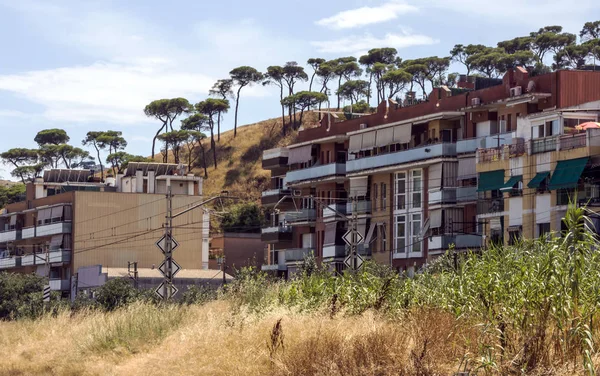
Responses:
[239,160]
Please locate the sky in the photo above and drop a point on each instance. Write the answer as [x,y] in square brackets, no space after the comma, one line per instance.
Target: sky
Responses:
[94,65]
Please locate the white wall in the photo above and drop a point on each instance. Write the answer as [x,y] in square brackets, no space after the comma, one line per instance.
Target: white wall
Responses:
[524,128]
[516,166]
[483,128]
[515,211]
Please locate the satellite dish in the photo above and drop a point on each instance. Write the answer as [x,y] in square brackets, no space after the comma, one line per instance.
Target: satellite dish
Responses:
[531,86]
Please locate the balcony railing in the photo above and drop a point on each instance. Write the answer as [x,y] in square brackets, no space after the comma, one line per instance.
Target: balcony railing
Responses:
[59,284]
[461,241]
[466,194]
[297,254]
[10,262]
[314,173]
[470,145]
[303,215]
[327,212]
[362,207]
[402,157]
[276,153]
[276,192]
[542,145]
[10,235]
[503,153]
[442,196]
[334,251]
[486,206]
[276,234]
[47,230]
[568,142]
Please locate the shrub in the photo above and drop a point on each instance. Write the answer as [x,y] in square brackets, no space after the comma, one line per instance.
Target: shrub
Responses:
[116,293]
[21,295]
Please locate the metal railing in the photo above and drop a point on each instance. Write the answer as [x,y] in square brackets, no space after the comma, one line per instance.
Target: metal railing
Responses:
[575,141]
[485,206]
[297,254]
[302,215]
[315,172]
[543,145]
[362,207]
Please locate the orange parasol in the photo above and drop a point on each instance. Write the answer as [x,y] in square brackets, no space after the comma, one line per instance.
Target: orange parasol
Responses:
[587,125]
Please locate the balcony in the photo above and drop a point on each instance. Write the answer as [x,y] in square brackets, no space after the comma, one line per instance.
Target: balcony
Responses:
[276,234]
[465,194]
[315,173]
[362,207]
[272,196]
[334,251]
[470,145]
[330,213]
[442,196]
[569,142]
[487,206]
[402,157]
[301,216]
[9,236]
[61,256]
[60,284]
[441,243]
[297,254]
[47,230]
[274,158]
[10,262]
[503,153]
[542,145]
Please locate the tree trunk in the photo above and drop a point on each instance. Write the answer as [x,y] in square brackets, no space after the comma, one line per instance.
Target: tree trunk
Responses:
[282,109]
[237,102]
[213,145]
[204,160]
[301,114]
[99,161]
[295,123]
[338,95]
[311,81]
[155,136]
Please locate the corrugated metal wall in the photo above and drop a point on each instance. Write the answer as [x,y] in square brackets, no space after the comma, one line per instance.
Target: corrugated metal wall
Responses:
[113,228]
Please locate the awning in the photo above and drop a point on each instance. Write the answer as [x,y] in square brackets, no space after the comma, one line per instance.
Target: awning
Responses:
[435,218]
[402,133]
[13,220]
[329,238]
[359,186]
[538,179]
[370,234]
[368,141]
[510,184]
[567,173]
[435,176]
[56,241]
[355,143]
[57,212]
[466,168]
[43,214]
[300,155]
[384,137]
[489,181]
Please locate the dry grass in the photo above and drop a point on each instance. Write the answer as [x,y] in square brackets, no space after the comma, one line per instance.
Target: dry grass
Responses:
[215,340]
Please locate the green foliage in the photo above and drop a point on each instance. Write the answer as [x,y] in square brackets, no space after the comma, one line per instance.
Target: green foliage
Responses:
[21,297]
[198,294]
[116,293]
[51,136]
[243,217]
[11,193]
[353,90]
[360,107]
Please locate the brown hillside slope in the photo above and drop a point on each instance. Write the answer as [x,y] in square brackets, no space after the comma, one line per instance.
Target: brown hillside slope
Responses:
[239,160]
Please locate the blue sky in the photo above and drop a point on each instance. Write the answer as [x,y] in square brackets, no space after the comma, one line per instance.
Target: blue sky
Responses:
[94,65]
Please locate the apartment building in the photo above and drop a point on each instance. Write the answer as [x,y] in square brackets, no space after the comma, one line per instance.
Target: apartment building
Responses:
[70,220]
[414,172]
[526,185]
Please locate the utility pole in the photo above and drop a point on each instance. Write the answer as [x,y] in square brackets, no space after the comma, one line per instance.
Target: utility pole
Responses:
[135,272]
[354,245]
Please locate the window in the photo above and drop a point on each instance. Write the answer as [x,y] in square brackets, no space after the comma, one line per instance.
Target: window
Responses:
[552,128]
[401,190]
[375,197]
[514,236]
[400,241]
[543,187]
[383,196]
[417,185]
[543,229]
[383,238]
[416,231]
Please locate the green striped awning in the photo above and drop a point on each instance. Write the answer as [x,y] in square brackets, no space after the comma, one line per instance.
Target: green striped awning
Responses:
[538,179]
[567,173]
[491,180]
[510,184]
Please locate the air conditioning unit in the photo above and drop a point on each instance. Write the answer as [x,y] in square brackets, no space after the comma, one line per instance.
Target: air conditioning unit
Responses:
[296,193]
[502,124]
[363,126]
[516,91]
[475,101]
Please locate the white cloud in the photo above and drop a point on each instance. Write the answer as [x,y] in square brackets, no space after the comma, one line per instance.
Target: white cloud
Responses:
[366,15]
[14,114]
[354,44]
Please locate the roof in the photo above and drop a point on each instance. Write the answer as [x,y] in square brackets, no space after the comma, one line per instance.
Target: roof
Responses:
[155,273]
[158,168]
[58,175]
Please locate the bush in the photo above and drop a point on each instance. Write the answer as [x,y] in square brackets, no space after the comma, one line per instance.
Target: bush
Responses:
[21,295]
[116,293]
[198,294]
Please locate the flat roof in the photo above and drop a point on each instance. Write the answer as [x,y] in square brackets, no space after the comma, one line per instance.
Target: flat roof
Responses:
[158,168]
[59,175]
